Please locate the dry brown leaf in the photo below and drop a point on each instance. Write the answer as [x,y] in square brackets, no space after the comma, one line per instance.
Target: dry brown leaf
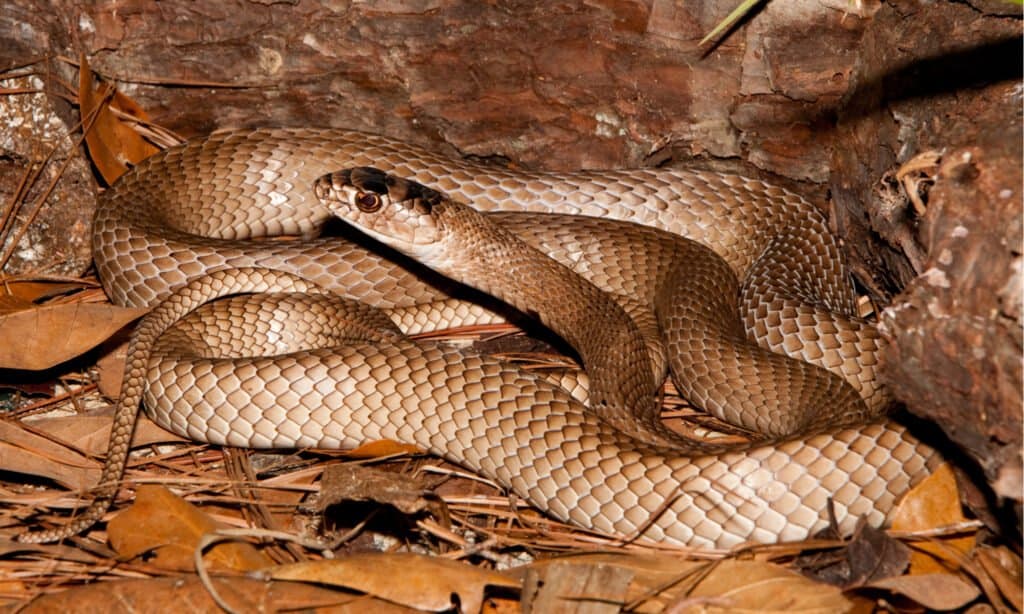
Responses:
[357,483]
[870,554]
[42,337]
[90,433]
[665,582]
[501,605]
[67,463]
[752,586]
[110,371]
[34,290]
[283,492]
[381,447]
[25,452]
[933,591]
[568,585]
[10,304]
[170,528]
[933,503]
[1004,567]
[113,144]
[656,579]
[423,582]
[187,594]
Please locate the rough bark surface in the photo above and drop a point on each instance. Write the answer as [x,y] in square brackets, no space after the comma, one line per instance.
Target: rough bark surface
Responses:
[940,92]
[47,233]
[835,95]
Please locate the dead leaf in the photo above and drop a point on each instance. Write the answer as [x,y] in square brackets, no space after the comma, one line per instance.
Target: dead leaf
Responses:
[423,582]
[114,145]
[90,432]
[933,503]
[571,586]
[501,605]
[668,583]
[64,456]
[170,528]
[110,371]
[657,580]
[42,386]
[1004,567]
[875,555]
[33,290]
[10,304]
[349,482]
[933,591]
[25,452]
[870,555]
[381,447]
[752,586]
[188,594]
[42,337]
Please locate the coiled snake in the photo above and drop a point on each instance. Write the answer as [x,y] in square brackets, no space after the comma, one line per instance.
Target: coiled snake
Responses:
[773,272]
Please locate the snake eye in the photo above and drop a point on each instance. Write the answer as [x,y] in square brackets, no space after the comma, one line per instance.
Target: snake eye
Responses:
[368,202]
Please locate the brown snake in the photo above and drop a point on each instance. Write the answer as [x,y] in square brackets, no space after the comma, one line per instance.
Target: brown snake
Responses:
[192,210]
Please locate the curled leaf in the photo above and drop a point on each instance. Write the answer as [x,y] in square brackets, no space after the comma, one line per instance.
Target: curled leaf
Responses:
[170,528]
[423,582]
[43,337]
[113,144]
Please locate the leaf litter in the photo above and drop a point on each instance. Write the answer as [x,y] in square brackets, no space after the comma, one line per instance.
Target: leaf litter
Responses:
[377,533]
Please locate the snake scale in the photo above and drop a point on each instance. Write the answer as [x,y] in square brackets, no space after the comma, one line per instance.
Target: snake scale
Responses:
[186,225]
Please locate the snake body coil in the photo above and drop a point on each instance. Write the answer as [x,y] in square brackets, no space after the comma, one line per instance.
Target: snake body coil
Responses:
[192,210]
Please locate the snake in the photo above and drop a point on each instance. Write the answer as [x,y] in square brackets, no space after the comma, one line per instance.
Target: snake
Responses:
[732,282]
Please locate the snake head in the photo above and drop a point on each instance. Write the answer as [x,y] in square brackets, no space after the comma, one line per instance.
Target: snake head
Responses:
[398,212]
[424,224]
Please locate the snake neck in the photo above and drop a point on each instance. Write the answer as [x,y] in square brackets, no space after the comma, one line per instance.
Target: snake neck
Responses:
[607,340]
